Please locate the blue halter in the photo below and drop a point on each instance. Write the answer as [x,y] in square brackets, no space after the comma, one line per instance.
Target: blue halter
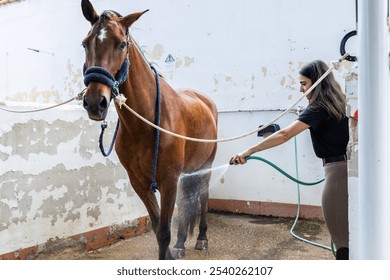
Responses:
[101,75]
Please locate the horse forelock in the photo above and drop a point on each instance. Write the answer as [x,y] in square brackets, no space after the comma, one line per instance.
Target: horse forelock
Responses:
[108,14]
[107,18]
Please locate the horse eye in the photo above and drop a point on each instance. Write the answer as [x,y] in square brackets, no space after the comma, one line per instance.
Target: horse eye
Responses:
[123,45]
[83,45]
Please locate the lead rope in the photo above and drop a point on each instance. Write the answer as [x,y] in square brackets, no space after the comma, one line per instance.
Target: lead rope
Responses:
[104,126]
[121,101]
[153,185]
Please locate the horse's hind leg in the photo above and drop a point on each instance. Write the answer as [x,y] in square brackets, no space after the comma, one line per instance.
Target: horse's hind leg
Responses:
[168,197]
[192,205]
[186,202]
[202,241]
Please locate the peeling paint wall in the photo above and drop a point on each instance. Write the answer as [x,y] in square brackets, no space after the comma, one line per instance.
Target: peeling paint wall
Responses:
[246,55]
[54,181]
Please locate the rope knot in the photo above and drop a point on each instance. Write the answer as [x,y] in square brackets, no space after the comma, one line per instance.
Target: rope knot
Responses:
[79,96]
[120,99]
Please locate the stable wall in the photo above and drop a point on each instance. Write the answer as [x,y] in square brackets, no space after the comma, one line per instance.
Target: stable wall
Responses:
[244,54]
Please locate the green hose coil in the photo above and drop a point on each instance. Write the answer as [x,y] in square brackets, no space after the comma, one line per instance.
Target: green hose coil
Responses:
[299,182]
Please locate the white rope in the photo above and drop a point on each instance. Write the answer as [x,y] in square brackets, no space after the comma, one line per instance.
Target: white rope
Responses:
[122,101]
[78,97]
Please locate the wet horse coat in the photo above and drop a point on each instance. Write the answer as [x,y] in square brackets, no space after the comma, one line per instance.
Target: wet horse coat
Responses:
[185,112]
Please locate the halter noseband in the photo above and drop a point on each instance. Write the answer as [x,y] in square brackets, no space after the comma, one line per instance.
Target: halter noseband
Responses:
[101,75]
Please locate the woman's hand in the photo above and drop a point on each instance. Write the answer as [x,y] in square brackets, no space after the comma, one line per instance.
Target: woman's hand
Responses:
[239,158]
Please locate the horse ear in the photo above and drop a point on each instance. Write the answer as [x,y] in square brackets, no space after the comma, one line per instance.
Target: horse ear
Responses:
[130,19]
[89,11]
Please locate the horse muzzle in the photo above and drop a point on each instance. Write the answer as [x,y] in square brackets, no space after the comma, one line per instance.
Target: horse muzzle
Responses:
[96,105]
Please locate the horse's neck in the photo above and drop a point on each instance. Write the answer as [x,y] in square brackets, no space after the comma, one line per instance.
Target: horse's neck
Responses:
[138,49]
[139,87]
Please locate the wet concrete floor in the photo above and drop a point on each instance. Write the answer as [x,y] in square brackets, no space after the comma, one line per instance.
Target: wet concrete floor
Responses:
[231,237]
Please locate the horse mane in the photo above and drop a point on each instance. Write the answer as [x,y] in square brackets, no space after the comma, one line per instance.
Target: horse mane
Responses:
[139,48]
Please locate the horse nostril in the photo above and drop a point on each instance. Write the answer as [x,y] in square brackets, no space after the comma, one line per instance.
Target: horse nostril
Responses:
[103,103]
[85,103]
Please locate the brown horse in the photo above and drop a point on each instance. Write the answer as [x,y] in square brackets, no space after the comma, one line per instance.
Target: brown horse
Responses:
[111,51]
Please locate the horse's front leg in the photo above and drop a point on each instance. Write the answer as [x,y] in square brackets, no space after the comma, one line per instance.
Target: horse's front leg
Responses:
[168,197]
[150,201]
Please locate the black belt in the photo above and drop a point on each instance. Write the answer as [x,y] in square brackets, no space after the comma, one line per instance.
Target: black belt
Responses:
[334,159]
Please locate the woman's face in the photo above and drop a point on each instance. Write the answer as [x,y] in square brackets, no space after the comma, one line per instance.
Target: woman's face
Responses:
[305,85]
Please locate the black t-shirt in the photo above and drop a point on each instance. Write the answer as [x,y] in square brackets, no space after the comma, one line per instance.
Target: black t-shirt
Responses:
[329,136]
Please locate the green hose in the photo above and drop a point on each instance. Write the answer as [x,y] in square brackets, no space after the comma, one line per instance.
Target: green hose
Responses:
[285,173]
[296,180]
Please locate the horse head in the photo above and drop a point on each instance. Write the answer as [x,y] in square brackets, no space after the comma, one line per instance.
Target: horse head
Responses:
[107,57]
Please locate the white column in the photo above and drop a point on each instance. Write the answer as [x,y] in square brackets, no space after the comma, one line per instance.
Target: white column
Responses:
[374,131]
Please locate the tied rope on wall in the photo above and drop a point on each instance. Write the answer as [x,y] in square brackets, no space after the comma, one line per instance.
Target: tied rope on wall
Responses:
[79,97]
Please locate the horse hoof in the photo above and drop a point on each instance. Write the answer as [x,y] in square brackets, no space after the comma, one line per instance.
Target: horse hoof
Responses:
[178,253]
[201,245]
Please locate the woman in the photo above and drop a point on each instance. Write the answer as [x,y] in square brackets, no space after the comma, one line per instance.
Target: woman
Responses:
[325,117]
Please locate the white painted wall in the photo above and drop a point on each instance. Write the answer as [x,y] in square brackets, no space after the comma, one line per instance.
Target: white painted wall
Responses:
[244,54]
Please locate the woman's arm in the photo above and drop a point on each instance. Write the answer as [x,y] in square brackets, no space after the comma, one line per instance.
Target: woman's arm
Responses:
[273,140]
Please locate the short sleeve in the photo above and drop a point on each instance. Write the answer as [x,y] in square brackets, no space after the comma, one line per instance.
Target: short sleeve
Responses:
[313,117]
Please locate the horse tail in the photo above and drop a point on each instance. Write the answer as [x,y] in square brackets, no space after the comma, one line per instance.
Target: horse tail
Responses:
[190,192]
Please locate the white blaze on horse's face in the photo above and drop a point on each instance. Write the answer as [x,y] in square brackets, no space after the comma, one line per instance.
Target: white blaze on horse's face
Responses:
[102,35]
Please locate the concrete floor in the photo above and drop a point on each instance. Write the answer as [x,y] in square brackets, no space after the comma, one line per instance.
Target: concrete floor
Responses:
[231,237]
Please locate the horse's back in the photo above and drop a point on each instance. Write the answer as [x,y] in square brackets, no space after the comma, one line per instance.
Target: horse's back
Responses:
[200,99]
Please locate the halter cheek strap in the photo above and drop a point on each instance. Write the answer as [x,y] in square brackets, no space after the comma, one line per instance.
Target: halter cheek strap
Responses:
[101,75]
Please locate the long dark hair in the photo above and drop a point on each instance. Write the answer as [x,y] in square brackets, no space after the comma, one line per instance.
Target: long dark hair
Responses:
[328,93]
